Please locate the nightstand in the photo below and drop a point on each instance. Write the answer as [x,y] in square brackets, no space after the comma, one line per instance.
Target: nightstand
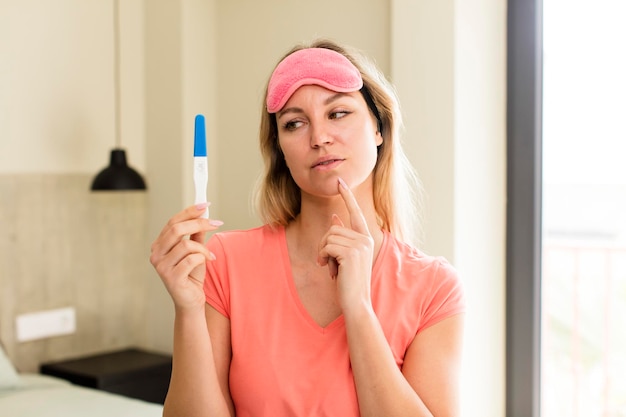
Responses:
[131,372]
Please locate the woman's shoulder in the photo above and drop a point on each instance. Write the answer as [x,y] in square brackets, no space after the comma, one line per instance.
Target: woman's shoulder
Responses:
[411,268]
[431,282]
[414,287]
[414,258]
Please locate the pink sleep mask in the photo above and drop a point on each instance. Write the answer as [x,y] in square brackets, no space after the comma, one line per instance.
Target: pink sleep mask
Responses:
[311,66]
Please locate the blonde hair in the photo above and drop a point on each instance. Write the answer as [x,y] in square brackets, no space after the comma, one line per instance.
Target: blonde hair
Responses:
[396,188]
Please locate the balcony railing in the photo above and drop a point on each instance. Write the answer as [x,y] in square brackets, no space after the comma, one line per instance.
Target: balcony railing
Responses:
[583,329]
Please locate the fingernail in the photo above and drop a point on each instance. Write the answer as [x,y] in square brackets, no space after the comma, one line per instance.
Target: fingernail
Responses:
[216,222]
[202,206]
[342,183]
[212,256]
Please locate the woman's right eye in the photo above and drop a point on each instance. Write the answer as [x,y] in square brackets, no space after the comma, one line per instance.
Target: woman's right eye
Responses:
[292,125]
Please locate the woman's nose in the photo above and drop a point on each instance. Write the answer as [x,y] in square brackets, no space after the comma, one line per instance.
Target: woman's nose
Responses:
[320,135]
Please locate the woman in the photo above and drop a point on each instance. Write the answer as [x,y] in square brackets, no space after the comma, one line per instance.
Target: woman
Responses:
[326,310]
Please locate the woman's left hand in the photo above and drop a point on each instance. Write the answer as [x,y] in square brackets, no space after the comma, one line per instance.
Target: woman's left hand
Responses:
[352,249]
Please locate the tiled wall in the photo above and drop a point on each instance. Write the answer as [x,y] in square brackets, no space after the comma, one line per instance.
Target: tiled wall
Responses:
[62,245]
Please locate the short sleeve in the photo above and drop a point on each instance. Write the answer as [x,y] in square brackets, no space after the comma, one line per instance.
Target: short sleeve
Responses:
[447,295]
[216,281]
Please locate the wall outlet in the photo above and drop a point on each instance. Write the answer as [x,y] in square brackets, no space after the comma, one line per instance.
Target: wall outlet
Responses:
[43,324]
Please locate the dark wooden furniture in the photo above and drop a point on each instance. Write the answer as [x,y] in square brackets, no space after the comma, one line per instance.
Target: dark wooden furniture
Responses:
[130,372]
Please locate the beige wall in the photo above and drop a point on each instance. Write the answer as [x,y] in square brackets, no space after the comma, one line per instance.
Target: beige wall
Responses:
[61,246]
[183,57]
[246,58]
[56,85]
[196,63]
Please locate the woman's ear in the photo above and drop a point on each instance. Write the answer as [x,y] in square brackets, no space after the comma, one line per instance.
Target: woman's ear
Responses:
[379,138]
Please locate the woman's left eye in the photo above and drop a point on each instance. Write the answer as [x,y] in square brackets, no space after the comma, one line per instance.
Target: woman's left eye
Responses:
[338,114]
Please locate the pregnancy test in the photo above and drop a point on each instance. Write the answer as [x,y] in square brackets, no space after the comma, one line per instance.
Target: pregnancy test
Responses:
[200,163]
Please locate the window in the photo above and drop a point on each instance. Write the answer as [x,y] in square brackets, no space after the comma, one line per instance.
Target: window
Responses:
[566,257]
[583,280]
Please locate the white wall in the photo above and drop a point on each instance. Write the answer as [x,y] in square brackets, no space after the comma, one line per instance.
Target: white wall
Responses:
[480,195]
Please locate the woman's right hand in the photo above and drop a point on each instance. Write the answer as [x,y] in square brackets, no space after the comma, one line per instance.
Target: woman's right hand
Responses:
[181,262]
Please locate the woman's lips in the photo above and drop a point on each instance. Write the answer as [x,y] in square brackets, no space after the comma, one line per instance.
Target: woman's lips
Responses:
[328,163]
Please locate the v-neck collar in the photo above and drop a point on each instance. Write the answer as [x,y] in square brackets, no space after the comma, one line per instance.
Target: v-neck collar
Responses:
[337,323]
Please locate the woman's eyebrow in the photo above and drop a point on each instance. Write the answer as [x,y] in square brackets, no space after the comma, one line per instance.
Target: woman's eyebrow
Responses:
[334,97]
[326,102]
[287,111]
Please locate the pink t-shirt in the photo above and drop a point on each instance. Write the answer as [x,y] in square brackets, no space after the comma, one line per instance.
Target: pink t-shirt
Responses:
[283,362]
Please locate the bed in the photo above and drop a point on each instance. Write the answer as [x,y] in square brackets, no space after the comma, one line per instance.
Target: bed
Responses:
[35,395]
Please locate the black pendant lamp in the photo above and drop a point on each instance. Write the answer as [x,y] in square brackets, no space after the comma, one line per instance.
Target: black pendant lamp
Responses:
[118,176]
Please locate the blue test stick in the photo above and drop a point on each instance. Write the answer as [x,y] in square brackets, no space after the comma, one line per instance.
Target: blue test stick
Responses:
[200,163]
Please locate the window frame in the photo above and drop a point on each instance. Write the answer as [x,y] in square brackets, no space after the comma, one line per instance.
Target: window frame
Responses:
[524,189]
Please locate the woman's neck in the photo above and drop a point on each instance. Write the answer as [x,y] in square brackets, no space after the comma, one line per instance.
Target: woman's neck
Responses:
[306,231]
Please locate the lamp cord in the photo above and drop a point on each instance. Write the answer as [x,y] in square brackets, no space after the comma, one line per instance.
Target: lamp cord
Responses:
[116,72]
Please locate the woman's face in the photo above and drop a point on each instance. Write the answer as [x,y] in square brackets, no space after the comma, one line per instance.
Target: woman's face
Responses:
[325,135]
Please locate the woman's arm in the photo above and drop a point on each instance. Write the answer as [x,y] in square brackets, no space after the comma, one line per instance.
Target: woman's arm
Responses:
[197,385]
[428,384]
[219,329]
[199,382]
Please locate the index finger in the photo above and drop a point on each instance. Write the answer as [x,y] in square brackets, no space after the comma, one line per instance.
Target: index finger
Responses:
[357,220]
[189,213]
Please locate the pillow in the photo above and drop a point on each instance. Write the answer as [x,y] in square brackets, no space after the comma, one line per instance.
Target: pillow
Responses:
[8,376]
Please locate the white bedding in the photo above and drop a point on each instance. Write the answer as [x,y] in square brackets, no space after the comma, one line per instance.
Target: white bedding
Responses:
[45,396]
